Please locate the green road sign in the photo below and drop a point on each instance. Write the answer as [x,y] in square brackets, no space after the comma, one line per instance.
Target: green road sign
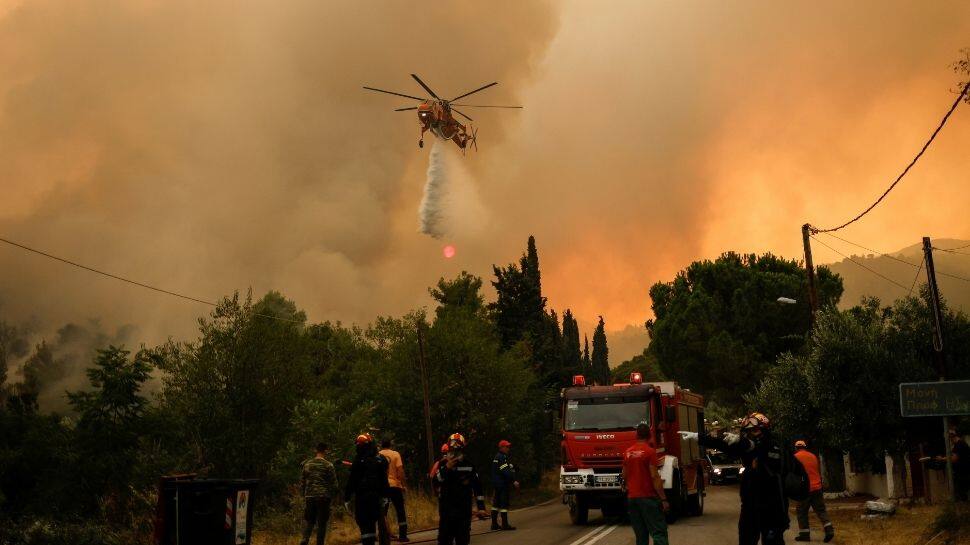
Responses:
[950,398]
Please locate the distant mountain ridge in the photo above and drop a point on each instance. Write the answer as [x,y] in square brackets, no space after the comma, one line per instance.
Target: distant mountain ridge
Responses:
[859,282]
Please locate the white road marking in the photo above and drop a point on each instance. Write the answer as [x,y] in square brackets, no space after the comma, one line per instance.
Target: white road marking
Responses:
[589,535]
[601,535]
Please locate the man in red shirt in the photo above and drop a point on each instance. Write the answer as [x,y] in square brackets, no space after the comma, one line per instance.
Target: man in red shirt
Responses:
[815,499]
[645,490]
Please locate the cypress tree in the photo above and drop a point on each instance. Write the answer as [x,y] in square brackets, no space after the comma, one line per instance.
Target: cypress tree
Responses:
[587,364]
[600,361]
[572,356]
[520,313]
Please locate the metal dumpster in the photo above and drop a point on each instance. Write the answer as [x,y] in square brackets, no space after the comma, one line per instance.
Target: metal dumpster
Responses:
[193,511]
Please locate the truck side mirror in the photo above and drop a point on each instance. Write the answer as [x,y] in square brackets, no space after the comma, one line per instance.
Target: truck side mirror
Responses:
[671,414]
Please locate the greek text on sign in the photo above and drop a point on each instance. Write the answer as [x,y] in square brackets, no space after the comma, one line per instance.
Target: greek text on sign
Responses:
[949,398]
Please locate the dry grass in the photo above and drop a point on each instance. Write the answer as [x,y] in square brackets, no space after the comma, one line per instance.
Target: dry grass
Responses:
[283,527]
[909,526]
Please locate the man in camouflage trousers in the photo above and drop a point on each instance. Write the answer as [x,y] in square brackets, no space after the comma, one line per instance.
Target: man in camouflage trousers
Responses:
[319,483]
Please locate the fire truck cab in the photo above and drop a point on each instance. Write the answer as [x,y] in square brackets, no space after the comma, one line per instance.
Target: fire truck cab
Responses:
[599,424]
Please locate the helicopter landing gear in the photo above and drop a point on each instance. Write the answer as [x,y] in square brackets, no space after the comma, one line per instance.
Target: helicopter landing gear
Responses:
[421,143]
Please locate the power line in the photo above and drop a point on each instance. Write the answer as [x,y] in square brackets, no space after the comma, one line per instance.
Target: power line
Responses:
[951,251]
[880,275]
[906,170]
[894,258]
[916,278]
[890,256]
[129,281]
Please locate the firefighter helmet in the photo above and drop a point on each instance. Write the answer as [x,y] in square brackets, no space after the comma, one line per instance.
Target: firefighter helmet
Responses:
[755,420]
[456,441]
[504,443]
[364,439]
[444,448]
[800,444]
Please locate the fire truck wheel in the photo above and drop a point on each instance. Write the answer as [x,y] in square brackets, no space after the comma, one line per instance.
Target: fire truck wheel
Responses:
[695,504]
[578,510]
[677,498]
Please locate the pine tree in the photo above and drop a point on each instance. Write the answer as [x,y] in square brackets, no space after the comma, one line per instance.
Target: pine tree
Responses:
[600,361]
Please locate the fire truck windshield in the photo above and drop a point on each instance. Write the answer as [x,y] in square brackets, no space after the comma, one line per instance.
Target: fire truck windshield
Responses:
[606,414]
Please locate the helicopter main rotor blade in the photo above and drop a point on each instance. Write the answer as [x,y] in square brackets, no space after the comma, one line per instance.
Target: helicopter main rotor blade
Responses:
[483,106]
[475,91]
[426,88]
[461,114]
[406,109]
[393,93]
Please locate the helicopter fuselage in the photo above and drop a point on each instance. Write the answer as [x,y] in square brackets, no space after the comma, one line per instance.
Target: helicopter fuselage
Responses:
[436,117]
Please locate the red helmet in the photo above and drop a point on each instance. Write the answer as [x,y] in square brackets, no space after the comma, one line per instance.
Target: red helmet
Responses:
[755,420]
[364,439]
[456,441]
[504,443]
[444,448]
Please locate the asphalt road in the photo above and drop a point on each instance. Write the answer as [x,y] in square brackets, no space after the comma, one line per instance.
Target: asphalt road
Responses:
[549,525]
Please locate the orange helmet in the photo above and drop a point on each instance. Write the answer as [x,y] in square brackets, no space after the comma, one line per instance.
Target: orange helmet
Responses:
[755,420]
[800,444]
[456,441]
[364,439]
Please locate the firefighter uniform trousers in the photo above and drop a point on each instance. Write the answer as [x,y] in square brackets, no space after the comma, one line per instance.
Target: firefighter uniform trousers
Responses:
[367,511]
[459,486]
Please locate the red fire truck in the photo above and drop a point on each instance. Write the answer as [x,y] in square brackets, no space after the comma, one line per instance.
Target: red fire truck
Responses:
[599,424]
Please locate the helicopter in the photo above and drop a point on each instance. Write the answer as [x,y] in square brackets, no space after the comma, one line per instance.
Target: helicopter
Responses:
[435,115]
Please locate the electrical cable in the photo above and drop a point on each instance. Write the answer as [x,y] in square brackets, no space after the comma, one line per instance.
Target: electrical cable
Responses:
[950,251]
[899,178]
[916,278]
[940,273]
[953,249]
[129,281]
[890,256]
[880,275]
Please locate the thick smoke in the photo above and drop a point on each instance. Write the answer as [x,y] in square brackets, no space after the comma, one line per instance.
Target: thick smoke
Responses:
[219,145]
[431,212]
[209,147]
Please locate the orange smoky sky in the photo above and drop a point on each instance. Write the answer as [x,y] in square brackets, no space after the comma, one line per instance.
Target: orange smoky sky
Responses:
[208,147]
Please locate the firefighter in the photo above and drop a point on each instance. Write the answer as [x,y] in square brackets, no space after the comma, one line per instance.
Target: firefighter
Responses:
[764,505]
[319,484]
[368,486]
[503,480]
[460,488]
[815,499]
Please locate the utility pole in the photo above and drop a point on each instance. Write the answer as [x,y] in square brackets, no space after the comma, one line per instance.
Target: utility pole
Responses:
[938,351]
[427,395]
[810,269]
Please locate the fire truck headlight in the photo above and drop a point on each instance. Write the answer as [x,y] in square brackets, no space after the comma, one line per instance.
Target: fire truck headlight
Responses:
[717,471]
[741,470]
[572,479]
